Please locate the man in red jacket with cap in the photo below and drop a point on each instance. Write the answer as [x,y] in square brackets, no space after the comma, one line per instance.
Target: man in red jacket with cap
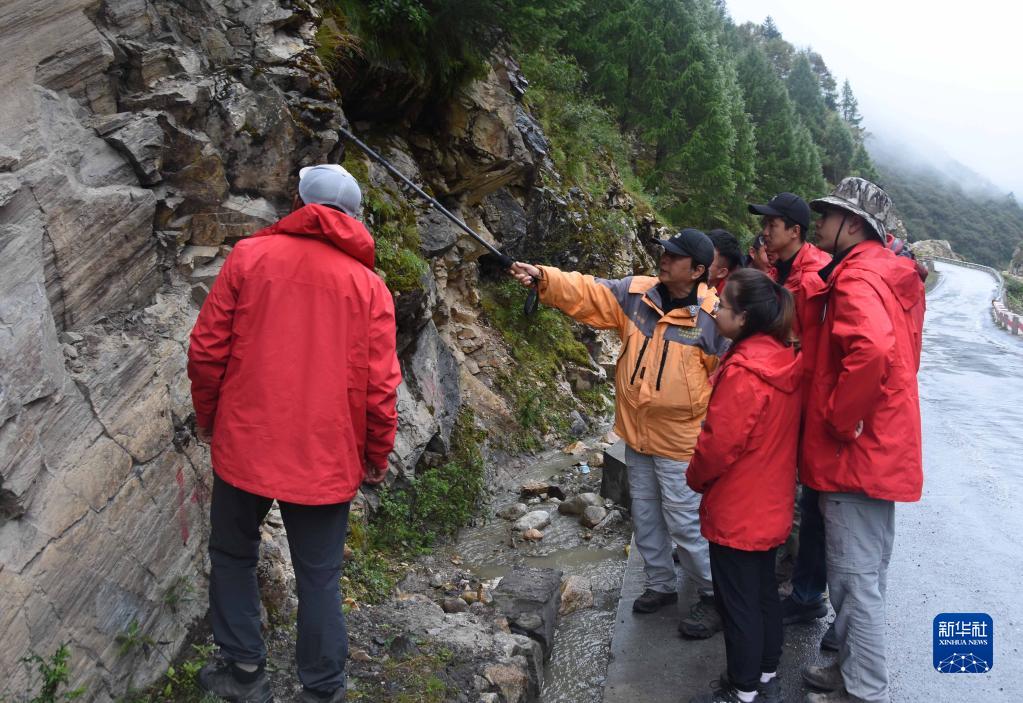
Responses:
[786,223]
[861,438]
[294,381]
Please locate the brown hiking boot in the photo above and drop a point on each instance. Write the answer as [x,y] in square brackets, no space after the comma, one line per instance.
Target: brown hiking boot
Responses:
[703,620]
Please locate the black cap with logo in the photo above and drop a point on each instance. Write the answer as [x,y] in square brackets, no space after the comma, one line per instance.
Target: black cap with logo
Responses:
[787,205]
[693,243]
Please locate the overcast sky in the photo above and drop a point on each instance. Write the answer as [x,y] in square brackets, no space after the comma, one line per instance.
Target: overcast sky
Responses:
[942,77]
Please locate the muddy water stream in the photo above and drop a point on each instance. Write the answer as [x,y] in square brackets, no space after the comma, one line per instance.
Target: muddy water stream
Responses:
[578,662]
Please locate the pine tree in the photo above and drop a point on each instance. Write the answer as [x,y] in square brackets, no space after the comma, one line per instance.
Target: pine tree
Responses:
[769,29]
[825,79]
[805,91]
[696,138]
[850,108]
[861,165]
[787,159]
[533,25]
[805,164]
[839,147]
[744,154]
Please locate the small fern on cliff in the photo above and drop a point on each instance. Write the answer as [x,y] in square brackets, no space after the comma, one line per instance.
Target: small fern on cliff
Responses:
[53,674]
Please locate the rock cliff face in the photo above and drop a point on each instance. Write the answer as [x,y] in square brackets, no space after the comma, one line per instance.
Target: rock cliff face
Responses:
[1016,265]
[935,247]
[129,129]
[139,139]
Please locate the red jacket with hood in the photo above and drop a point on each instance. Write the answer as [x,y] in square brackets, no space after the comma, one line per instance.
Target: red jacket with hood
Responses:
[867,353]
[745,460]
[293,362]
[803,279]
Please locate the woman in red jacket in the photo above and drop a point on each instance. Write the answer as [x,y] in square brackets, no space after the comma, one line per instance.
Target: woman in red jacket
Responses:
[745,467]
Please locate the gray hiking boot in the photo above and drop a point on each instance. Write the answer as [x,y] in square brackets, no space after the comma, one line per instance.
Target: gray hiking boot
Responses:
[703,620]
[823,678]
[309,696]
[829,642]
[221,679]
[839,696]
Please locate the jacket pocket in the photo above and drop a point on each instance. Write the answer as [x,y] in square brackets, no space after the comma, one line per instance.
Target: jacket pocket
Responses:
[660,367]
[676,381]
[639,362]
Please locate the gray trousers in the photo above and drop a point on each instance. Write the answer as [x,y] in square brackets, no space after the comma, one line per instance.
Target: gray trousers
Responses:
[665,509]
[859,536]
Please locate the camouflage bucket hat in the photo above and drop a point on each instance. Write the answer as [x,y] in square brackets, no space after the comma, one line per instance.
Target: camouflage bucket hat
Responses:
[860,197]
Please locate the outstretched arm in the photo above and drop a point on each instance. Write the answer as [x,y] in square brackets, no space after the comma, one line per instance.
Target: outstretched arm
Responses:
[582,297]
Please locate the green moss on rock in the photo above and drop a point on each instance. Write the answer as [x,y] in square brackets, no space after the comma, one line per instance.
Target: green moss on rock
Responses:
[391,219]
[540,346]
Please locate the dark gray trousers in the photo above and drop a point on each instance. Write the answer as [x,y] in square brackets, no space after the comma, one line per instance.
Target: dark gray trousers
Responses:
[316,538]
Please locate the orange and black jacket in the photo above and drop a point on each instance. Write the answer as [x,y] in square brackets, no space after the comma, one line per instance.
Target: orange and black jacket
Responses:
[662,378]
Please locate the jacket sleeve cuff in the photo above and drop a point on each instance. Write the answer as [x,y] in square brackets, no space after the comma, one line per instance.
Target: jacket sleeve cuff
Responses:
[545,280]
[204,420]
[692,479]
[377,461]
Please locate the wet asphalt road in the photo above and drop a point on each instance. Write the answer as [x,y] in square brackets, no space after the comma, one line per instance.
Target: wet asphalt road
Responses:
[960,549]
[957,551]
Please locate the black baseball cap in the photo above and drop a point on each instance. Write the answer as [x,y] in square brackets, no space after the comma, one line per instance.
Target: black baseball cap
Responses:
[693,243]
[787,205]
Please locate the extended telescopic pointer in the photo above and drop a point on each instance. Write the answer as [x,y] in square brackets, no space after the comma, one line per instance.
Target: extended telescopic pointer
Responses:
[505,261]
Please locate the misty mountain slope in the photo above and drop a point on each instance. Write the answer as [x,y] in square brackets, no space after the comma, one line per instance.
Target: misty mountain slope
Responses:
[939,198]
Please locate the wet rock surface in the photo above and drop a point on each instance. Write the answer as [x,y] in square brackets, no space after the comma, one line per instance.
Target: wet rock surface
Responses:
[534,520]
[575,668]
[530,599]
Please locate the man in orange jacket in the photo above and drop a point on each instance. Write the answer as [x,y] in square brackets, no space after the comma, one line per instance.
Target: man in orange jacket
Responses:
[294,378]
[861,444]
[670,347]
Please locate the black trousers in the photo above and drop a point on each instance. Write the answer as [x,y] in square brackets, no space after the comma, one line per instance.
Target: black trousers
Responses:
[746,594]
[316,539]
[810,576]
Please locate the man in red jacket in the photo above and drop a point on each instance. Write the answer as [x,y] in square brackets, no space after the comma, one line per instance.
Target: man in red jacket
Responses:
[861,438]
[294,379]
[727,258]
[786,219]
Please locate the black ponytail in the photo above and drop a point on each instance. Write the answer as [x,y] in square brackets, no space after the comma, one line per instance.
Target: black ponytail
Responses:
[768,306]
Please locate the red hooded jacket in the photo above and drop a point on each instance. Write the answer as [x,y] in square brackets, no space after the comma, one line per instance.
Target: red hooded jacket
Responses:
[745,460]
[867,353]
[293,362]
[803,278]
